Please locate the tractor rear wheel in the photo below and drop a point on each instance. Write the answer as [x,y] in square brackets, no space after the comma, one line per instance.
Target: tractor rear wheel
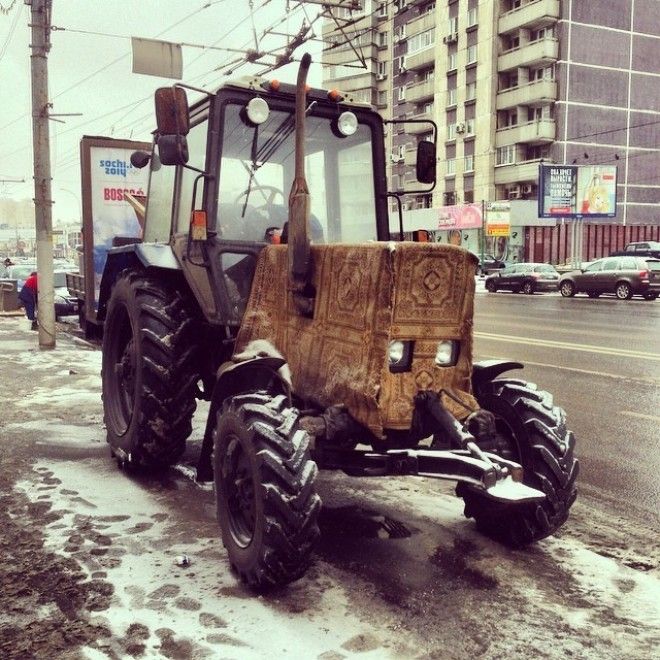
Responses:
[531,431]
[149,371]
[265,490]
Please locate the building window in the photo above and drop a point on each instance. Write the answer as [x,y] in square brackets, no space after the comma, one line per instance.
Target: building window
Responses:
[451,97]
[540,113]
[508,80]
[429,8]
[506,155]
[542,33]
[382,69]
[427,108]
[472,54]
[451,131]
[469,126]
[428,75]
[382,38]
[402,64]
[421,41]
[468,196]
[451,166]
[544,73]
[400,32]
[452,63]
[511,42]
[536,152]
[471,91]
[382,9]
[449,198]
[382,97]
[453,25]
[469,164]
[472,17]
[401,95]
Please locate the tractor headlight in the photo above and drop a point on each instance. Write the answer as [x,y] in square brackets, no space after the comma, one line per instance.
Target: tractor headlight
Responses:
[257,110]
[446,354]
[399,355]
[347,123]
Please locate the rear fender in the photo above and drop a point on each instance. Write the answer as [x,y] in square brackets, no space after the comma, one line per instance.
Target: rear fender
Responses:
[133,256]
[486,370]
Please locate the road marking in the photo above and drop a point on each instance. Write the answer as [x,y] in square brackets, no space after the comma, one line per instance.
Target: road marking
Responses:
[630,413]
[588,372]
[586,348]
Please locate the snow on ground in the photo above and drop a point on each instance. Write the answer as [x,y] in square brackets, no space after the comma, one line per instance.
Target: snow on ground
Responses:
[130,537]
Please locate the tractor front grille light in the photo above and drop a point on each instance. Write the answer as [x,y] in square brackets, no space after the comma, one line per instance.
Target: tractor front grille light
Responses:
[446,354]
[399,355]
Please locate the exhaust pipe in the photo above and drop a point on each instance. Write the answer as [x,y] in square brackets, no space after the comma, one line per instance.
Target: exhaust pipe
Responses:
[299,255]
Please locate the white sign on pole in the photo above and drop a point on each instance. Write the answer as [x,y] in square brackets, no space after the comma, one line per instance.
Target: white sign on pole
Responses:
[157,58]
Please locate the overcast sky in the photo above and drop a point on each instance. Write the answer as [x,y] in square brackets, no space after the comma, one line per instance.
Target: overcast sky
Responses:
[91,74]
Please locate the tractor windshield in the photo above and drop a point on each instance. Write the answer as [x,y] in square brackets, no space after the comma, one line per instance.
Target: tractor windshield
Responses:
[257,170]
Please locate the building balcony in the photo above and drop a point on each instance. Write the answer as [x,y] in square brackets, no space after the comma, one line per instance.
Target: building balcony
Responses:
[351,83]
[410,157]
[420,24]
[420,91]
[543,51]
[539,92]
[532,15]
[422,127]
[421,60]
[346,55]
[533,132]
[518,172]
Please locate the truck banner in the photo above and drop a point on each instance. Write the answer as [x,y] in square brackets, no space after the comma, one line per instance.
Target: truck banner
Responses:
[107,177]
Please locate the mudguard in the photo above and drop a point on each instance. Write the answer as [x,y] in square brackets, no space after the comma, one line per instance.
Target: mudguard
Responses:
[487,370]
[134,255]
[233,378]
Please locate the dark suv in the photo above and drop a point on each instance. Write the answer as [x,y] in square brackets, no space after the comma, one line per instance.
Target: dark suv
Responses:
[526,278]
[622,276]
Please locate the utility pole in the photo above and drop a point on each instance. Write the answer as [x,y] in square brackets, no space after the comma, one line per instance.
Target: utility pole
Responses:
[40,24]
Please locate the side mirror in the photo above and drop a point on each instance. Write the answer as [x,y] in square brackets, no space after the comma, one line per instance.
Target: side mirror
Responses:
[140,159]
[173,149]
[172,114]
[425,169]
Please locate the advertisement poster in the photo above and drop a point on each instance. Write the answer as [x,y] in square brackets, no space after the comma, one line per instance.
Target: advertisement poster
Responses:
[498,219]
[463,216]
[574,191]
[107,176]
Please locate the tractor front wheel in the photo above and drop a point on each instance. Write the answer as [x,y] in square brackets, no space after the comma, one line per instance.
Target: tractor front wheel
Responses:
[532,431]
[265,492]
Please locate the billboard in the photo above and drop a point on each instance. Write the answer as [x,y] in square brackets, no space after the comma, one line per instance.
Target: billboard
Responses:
[498,219]
[461,216]
[107,176]
[576,191]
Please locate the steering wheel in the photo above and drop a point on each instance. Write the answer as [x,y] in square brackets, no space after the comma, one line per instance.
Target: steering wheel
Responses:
[269,199]
[269,214]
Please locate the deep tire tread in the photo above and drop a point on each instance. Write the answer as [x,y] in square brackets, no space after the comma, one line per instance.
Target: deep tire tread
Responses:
[169,371]
[286,476]
[546,451]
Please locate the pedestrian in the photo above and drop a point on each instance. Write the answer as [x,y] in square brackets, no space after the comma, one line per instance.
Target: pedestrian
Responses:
[28,296]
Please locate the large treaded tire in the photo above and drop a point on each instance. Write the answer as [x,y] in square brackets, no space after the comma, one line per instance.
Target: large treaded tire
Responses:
[265,490]
[531,431]
[149,370]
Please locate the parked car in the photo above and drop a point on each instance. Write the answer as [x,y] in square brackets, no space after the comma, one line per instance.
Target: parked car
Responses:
[488,264]
[622,276]
[526,278]
[65,303]
[640,249]
[19,272]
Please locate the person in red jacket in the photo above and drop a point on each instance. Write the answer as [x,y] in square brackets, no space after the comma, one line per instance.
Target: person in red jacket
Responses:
[28,297]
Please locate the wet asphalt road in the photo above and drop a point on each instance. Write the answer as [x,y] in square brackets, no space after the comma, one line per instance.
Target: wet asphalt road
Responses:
[601,361]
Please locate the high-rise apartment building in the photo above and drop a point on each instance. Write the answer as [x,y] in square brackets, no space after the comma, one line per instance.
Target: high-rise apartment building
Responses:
[510,84]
